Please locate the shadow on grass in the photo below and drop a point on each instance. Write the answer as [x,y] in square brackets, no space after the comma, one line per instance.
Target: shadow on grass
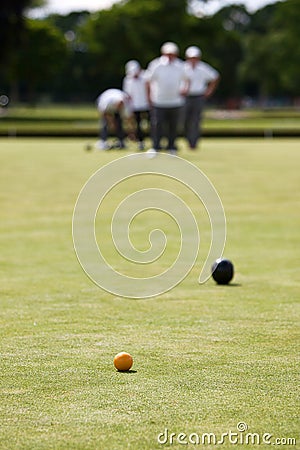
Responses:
[127,371]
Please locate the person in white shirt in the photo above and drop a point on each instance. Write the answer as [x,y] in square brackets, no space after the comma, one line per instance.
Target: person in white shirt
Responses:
[167,84]
[203,83]
[134,84]
[113,106]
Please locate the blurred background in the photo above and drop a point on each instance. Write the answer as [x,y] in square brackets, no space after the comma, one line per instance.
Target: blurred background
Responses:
[71,56]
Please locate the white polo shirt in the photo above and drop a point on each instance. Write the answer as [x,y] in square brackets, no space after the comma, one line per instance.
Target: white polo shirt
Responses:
[108,102]
[135,87]
[199,76]
[166,79]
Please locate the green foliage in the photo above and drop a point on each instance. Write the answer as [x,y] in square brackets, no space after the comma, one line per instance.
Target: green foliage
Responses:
[43,53]
[286,21]
[255,53]
[12,25]
[271,57]
[131,29]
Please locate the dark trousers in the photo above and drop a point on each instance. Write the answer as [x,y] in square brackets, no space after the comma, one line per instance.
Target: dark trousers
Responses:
[139,116]
[104,131]
[164,123]
[193,118]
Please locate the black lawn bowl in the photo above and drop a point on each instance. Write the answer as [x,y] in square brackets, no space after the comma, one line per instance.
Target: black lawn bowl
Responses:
[222,271]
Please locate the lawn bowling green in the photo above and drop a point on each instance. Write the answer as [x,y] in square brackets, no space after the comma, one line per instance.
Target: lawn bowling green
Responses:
[206,357]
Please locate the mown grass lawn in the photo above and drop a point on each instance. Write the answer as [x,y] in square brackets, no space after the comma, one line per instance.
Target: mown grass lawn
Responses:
[206,357]
[52,119]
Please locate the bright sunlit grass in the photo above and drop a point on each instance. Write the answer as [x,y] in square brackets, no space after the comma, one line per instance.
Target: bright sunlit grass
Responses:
[206,357]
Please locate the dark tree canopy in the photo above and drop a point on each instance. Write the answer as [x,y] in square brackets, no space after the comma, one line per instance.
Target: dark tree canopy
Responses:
[74,57]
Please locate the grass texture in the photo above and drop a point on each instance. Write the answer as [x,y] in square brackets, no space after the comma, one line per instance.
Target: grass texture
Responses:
[206,357]
[83,119]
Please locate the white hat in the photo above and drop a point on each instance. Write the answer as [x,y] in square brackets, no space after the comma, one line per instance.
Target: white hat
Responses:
[193,52]
[132,67]
[169,48]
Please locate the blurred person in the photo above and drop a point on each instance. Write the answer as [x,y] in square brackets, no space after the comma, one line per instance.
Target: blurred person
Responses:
[134,84]
[203,83]
[113,106]
[167,84]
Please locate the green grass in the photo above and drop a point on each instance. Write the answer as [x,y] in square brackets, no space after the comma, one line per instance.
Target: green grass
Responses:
[84,119]
[205,357]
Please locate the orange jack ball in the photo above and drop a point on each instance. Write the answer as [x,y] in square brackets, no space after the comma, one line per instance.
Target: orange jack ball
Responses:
[123,361]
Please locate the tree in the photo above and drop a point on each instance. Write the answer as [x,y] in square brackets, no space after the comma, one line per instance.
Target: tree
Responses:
[126,31]
[12,24]
[270,66]
[43,51]
[286,29]
[77,56]
[134,30]
[12,31]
